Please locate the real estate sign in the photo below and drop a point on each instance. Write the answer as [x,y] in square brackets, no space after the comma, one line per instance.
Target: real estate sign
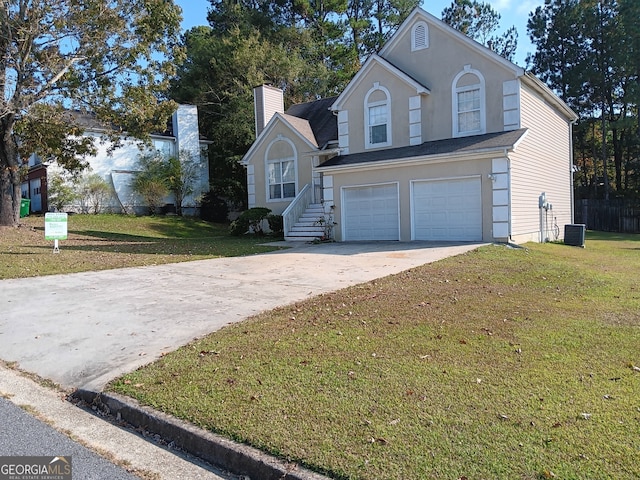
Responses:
[55,226]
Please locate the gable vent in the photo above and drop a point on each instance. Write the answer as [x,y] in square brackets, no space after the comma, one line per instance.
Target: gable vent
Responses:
[420,36]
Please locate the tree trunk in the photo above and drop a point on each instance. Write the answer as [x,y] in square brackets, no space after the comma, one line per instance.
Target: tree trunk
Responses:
[618,152]
[9,198]
[9,175]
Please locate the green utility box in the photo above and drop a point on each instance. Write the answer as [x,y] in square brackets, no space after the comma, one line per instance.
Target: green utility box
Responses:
[25,203]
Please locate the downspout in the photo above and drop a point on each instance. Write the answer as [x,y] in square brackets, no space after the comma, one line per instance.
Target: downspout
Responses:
[571,171]
[510,202]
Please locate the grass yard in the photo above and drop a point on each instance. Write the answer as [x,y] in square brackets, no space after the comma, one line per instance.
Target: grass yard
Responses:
[498,364]
[101,242]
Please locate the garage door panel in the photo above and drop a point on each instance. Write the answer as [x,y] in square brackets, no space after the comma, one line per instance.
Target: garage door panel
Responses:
[371,213]
[447,210]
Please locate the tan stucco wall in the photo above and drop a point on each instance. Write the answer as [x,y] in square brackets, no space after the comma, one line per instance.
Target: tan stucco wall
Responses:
[541,163]
[257,180]
[436,67]
[404,175]
[400,93]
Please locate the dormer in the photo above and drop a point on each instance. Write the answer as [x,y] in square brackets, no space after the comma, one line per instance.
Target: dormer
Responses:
[380,108]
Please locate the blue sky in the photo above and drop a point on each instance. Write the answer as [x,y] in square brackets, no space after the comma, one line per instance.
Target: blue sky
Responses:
[513,12]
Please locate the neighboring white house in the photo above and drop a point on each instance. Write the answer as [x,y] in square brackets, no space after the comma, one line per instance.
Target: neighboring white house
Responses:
[118,167]
[436,138]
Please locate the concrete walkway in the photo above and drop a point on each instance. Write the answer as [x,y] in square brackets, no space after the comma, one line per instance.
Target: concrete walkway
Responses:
[83,330]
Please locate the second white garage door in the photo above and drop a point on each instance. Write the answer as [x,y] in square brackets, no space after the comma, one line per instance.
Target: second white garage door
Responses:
[447,210]
[371,212]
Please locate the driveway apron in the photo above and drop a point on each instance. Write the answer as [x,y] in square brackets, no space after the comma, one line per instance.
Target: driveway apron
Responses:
[83,330]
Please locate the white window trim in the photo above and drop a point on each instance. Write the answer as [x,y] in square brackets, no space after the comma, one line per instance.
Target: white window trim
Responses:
[455,90]
[367,105]
[268,161]
[414,44]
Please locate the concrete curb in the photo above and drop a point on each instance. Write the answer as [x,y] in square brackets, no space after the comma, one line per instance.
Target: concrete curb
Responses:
[226,454]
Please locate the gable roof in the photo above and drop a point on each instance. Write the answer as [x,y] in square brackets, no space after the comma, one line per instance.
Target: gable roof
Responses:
[449,30]
[302,126]
[370,63]
[488,142]
[321,120]
[90,123]
[317,130]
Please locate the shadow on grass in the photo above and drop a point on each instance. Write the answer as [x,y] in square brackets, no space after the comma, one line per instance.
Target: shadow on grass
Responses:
[186,227]
[612,236]
[224,247]
[109,236]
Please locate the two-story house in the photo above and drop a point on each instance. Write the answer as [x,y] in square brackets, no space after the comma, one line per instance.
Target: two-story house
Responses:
[436,138]
[118,165]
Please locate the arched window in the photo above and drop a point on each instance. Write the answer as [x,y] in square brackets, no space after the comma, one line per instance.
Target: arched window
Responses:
[280,169]
[419,36]
[468,109]
[377,117]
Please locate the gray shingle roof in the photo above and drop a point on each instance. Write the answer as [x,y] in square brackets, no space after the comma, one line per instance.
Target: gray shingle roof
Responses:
[323,122]
[302,126]
[476,143]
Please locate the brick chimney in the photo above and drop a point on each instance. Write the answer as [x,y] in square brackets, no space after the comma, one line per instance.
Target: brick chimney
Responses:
[267,101]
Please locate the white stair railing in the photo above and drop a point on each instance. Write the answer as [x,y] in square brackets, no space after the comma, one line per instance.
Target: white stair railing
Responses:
[296,208]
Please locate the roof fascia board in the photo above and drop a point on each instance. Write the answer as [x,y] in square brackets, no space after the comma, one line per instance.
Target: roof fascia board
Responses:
[442,26]
[375,59]
[542,88]
[163,137]
[486,153]
[278,117]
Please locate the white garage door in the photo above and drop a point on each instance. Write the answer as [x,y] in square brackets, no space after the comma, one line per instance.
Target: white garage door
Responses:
[371,213]
[447,210]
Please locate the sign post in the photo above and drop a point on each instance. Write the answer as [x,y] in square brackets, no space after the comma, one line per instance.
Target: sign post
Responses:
[55,228]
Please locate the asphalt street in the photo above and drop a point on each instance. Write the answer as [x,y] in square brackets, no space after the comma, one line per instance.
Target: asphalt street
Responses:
[23,435]
[26,405]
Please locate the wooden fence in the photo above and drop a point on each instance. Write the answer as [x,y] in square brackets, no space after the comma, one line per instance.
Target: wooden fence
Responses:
[620,216]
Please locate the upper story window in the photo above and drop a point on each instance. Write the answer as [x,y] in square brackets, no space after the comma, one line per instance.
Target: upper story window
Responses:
[468,109]
[281,169]
[419,36]
[377,117]
[164,146]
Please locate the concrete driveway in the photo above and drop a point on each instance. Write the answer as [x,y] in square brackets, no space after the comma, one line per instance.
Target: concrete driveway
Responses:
[83,330]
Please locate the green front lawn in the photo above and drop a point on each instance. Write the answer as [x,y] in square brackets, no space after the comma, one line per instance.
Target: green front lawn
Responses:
[100,242]
[498,364]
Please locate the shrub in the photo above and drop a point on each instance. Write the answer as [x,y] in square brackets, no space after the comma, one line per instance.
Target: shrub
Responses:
[61,192]
[276,224]
[94,191]
[150,181]
[250,221]
[213,208]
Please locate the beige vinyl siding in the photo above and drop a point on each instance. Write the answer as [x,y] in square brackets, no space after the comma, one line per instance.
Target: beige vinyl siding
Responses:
[268,101]
[541,163]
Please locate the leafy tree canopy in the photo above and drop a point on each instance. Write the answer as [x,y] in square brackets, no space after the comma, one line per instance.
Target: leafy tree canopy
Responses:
[309,49]
[587,51]
[111,58]
[479,21]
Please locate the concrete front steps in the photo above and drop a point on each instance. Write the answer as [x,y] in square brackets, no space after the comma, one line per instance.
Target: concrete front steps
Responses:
[308,227]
